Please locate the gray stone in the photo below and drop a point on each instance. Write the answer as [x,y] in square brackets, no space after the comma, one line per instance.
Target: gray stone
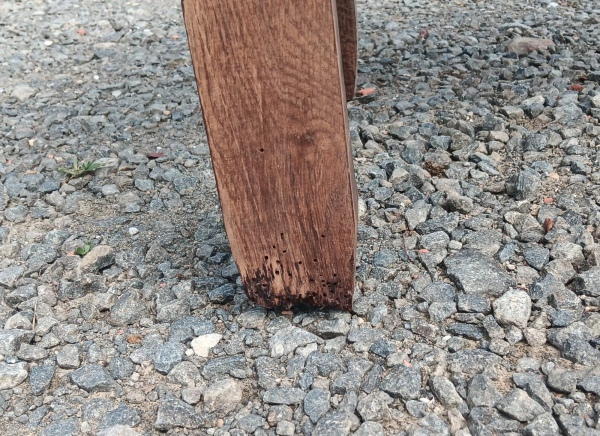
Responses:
[402,382]
[588,282]
[590,384]
[542,425]
[472,361]
[250,423]
[331,328]
[62,427]
[120,368]
[283,395]
[10,275]
[40,378]
[384,258]
[222,294]
[167,356]
[92,378]
[534,337]
[476,274]
[537,390]
[482,392]
[253,318]
[488,419]
[118,430]
[537,257]
[438,312]
[122,415]
[99,258]
[12,375]
[222,395]
[473,304]
[11,340]
[186,374]
[513,308]
[316,404]
[438,292]
[285,428]
[580,352]
[15,214]
[445,392]
[467,330]
[417,409]
[128,309]
[68,357]
[23,92]
[370,428]
[288,339]
[518,405]
[173,413]
[173,311]
[525,185]
[335,424]
[563,381]
[568,251]
[223,366]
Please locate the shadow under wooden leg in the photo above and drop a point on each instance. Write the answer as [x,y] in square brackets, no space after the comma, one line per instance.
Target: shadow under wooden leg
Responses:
[272,91]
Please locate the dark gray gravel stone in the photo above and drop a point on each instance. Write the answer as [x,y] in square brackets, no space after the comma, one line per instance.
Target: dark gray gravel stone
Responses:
[173,413]
[128,309]
[525,185]
[402,382]
[120,368]
[316,404]
[482,392]
[62,427]
[92,378]
[482,420]
[222,294]
[472,361]
[167,356]
[40,378]
[122,415]
[563,381]
[542,425]
[222,366]
[537,257]
[473,304]
[518,405]
[476,274]
[283,395]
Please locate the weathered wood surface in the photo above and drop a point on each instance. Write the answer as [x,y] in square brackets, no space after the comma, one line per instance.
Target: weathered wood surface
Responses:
[349,42]
[272,91]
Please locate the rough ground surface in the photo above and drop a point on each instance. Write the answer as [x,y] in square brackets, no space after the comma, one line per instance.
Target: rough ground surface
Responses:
[476,310]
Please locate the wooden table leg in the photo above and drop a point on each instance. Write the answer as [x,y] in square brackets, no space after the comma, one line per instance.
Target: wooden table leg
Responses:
[346,10]
[271,86]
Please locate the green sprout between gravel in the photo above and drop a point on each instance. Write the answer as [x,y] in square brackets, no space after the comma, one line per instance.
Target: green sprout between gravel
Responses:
[78,170]
[85,249]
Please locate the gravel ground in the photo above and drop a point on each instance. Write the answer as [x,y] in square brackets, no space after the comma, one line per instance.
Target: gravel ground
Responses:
[476,310]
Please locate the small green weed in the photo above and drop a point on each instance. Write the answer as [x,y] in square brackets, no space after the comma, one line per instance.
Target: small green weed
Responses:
[85,249]
[77,170]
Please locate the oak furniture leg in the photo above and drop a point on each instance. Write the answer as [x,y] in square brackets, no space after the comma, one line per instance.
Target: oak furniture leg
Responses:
[271,85]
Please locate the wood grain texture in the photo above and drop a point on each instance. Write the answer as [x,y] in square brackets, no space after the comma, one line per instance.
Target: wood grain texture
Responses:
[346,10]
[270,81]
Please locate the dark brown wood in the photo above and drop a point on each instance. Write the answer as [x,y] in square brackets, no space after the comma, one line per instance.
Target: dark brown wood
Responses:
[269,75]
[346,10]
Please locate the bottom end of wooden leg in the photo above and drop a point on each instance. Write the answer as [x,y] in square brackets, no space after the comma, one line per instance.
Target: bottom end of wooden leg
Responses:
[338,298]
